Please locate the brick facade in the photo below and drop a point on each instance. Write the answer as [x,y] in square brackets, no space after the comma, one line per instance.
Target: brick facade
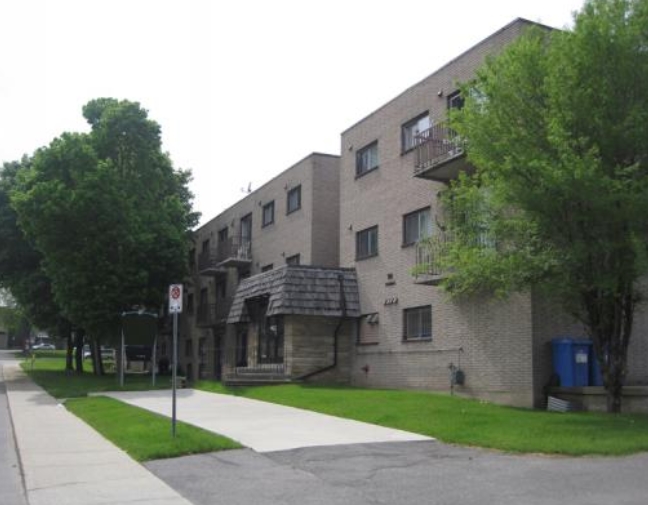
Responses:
[503,347]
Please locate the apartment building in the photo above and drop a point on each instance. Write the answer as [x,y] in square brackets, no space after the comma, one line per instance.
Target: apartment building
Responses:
[311,277]
[394,162]
[293,220]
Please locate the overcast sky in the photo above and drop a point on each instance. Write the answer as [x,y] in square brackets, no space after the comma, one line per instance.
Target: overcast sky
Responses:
[242,89]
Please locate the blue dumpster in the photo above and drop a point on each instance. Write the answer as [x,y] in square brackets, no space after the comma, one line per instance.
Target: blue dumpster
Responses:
[571,361]
[596,377]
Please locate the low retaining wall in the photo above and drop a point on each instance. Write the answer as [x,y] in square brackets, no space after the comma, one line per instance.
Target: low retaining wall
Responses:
[635,398]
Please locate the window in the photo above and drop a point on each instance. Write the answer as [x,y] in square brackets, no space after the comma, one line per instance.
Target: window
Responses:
[293,260]
[412,129]
[417,323]
[204,297]
[367,243]
[294,199]
[266,268]
[367,159]
[221,289]
[246,229]
[190,303]
[188,348]
[455,101]
[271,340]
[416,226]
[268,214]
[205,246]
[368,329]
[222,235]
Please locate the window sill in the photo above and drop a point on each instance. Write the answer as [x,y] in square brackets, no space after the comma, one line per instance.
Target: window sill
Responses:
[362,174]
[362,258]
[410,244]
[267,224]
[414,340]
[293,211]
[366,344]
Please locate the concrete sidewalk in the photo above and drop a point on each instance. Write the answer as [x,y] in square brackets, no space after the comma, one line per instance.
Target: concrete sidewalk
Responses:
[262,426]
[66,462]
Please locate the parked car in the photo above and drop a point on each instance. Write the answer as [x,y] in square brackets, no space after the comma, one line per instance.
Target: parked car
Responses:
[107,354]
[43,347]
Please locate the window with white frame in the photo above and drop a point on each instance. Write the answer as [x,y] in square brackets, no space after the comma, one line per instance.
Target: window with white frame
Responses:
[412,129]
[417,323]
[367,243]
[294,200]
[417,226]
[367,159]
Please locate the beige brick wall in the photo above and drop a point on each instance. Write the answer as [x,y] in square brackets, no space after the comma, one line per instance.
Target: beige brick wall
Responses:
[496,337]
[325,240]
[290,234]
[312,232]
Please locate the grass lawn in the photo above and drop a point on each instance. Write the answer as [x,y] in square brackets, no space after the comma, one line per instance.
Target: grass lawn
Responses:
[463,421]
[450,419]
[142,434]
[48,371]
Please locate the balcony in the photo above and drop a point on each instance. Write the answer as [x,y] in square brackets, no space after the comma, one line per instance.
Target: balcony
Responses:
[213,314]
[428,252]
[440,154]
[208,263]
[234,253]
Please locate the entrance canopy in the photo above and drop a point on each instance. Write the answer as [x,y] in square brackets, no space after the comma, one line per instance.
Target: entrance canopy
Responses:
[299,290]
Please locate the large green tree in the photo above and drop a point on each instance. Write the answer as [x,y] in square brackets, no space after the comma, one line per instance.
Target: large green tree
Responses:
[21,271]
[109,214]
[557,128]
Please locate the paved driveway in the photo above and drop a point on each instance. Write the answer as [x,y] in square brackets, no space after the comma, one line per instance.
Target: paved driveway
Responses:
[403,473]
[309,459]
[262,426]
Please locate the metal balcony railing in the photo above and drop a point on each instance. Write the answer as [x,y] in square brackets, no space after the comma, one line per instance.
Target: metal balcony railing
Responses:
[435,147]
[234,251]
[208,262]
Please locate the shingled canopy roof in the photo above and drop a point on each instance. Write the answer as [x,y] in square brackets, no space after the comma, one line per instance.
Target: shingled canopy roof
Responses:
[300,290]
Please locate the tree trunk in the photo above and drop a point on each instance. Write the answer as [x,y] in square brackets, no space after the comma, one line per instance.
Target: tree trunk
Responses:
[610,319]
[69,368]
[78,354]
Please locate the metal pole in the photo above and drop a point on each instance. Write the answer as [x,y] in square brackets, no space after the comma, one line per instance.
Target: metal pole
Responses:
[121,360]
[153,361]
[174,373]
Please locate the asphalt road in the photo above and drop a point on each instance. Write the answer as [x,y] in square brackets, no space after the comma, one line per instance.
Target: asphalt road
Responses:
[11,486]
[403,473]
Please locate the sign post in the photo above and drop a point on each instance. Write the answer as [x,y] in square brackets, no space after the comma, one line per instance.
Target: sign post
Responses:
[175,308]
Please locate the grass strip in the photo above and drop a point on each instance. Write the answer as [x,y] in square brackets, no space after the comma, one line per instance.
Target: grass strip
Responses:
[463,421]
[143,434]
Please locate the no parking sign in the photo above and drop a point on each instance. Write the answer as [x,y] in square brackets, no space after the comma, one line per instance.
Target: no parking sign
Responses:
[175,298]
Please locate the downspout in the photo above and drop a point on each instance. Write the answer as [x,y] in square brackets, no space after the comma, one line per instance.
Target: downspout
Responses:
[343,307]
